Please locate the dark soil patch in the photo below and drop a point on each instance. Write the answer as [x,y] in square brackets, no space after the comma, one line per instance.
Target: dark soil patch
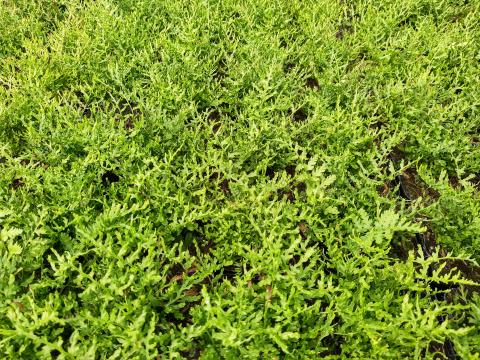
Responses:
[220,72]
[301,187]
[214,117]
[289,193]
[290,169]
[17,183]
[384,190]
[87,112]
[303,230]
[228,272]
[127,112]
[195,241]
[377,126]
[466,270]
[454,182]
[271,171]
[289,67]
[176,273]
[412,187]
[6,86]
[299,115]
[109,177]
[255,280]
[84,105]
[67,332]
[400,248]
[222,182]
[445,350]
[333,343]
[476,181]
[286,194]
[224,186]
[182,318]
[396,155]
[312,83]
[294,260]
[128,124]
[216,127]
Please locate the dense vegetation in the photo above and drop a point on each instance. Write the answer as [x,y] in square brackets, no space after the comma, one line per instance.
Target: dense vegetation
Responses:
[214,179]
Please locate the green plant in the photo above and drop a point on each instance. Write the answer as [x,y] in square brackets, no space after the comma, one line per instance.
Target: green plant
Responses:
[214,179]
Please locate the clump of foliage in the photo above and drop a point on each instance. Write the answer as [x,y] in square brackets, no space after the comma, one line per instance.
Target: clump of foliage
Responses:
[220,179]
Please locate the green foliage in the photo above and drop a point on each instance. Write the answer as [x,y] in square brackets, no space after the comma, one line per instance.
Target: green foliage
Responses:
[216,179]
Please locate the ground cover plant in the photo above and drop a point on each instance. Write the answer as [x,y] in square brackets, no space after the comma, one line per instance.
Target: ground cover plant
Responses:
[239,179]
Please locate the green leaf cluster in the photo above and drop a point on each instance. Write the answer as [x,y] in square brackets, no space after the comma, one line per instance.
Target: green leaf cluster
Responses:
[219,179]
